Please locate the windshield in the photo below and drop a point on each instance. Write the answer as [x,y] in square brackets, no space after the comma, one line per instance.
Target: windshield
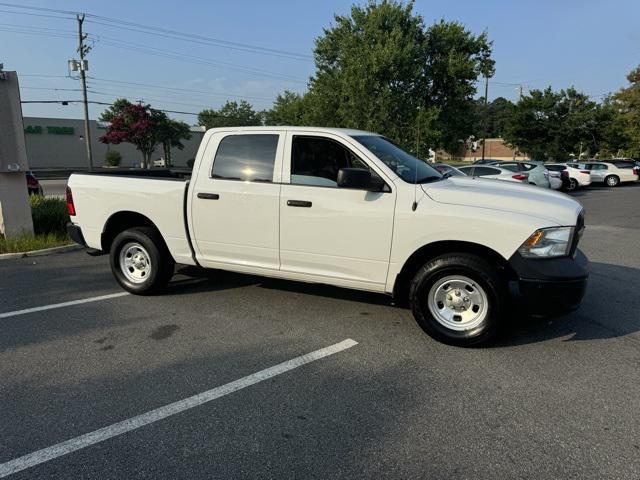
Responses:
[406,166]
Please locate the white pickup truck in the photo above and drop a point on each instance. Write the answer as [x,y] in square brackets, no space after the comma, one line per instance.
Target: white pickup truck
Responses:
[346,208]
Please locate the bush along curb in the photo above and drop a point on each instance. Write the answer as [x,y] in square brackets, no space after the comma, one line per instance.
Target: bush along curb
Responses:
[40,253]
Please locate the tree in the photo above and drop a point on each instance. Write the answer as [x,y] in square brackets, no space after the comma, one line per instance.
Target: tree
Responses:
[115,109]
[137,124]
[170,134]
[145,127]
[550,125]
[288,109]
[232,114]
[497,115]
[381,69]
[627,103]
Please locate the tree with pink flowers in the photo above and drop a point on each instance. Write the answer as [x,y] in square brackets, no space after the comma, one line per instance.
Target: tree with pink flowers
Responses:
[136,124]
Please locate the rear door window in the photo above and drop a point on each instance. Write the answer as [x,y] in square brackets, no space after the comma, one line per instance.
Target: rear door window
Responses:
[246,157]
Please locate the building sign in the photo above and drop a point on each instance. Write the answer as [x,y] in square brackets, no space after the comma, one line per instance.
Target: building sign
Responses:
[60,130]
[37,129]
[33,129]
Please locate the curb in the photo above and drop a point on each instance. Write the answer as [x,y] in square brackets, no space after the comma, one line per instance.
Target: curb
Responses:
[39,253]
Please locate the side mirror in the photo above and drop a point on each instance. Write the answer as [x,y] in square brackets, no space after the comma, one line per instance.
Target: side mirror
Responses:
[358,178]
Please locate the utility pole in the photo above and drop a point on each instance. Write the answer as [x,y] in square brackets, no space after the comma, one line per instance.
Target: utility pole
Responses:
[82,51]
[486,113]
[520,89]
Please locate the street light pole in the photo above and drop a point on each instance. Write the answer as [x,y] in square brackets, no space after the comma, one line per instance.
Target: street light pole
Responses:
[82,50]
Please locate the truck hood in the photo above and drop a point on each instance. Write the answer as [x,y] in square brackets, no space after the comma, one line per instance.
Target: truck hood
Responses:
[507,197]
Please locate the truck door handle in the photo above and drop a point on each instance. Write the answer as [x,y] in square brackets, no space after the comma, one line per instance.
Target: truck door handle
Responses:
[208,196]
[298,203]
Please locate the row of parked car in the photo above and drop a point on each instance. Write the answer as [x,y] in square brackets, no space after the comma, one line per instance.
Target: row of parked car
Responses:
[558,176]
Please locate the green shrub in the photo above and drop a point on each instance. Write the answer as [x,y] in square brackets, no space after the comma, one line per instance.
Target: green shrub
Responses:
[49,215]
[112,158]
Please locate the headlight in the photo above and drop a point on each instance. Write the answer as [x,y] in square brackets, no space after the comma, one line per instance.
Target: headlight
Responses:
[547,243]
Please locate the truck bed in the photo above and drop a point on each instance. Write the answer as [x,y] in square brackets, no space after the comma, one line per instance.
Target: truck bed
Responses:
[111,194]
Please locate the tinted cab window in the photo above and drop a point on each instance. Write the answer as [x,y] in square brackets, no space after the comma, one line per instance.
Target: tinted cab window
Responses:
[246,157]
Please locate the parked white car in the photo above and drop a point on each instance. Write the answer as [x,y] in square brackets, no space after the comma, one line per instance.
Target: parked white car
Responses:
[579,176]
[346,208]
[494,172]
[610,174]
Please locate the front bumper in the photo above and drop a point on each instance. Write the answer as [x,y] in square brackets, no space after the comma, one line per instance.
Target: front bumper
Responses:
[549,287]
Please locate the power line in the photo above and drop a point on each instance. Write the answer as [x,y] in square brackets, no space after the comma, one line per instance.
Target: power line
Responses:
[183,98]
[39,9]
[169,33]
[36,27]
[34,14]
[106,82]
[149,50]
[100,103]
[177,89]
[173,55]
[52,89]
[33,32]
[42,75]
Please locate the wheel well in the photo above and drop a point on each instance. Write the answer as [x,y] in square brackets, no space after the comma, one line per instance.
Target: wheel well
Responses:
[433,250]
[121,221]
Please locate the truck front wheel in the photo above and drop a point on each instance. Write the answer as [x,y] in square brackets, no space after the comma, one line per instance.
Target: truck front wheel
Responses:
[458,299]
[140,261]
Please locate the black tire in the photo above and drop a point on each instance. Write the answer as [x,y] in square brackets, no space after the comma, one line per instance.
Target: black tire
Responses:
[573,185]
[612,181]
[483,274]
[160,260]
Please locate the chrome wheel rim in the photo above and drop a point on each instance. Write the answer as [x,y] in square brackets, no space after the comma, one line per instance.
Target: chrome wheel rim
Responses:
[611,181]
[135,262]
[458,303]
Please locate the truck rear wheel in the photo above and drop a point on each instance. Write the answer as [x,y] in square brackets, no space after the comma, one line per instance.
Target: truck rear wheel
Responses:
[140,261]
[458,299]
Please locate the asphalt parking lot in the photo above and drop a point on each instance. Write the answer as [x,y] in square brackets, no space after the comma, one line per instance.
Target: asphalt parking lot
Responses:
[550,399]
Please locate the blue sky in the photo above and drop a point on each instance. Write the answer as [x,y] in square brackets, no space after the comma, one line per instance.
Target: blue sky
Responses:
[591,45]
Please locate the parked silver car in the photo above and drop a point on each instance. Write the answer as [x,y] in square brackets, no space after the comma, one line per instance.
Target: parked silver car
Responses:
[494,172]
[537,173]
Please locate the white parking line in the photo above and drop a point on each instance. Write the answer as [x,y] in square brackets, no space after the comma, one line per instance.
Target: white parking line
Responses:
[77,443]
[63,304]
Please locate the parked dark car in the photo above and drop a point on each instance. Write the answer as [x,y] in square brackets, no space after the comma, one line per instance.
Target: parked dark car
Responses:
[33,185]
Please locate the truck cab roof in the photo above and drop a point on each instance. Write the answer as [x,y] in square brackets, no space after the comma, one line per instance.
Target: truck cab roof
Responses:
[339,131]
